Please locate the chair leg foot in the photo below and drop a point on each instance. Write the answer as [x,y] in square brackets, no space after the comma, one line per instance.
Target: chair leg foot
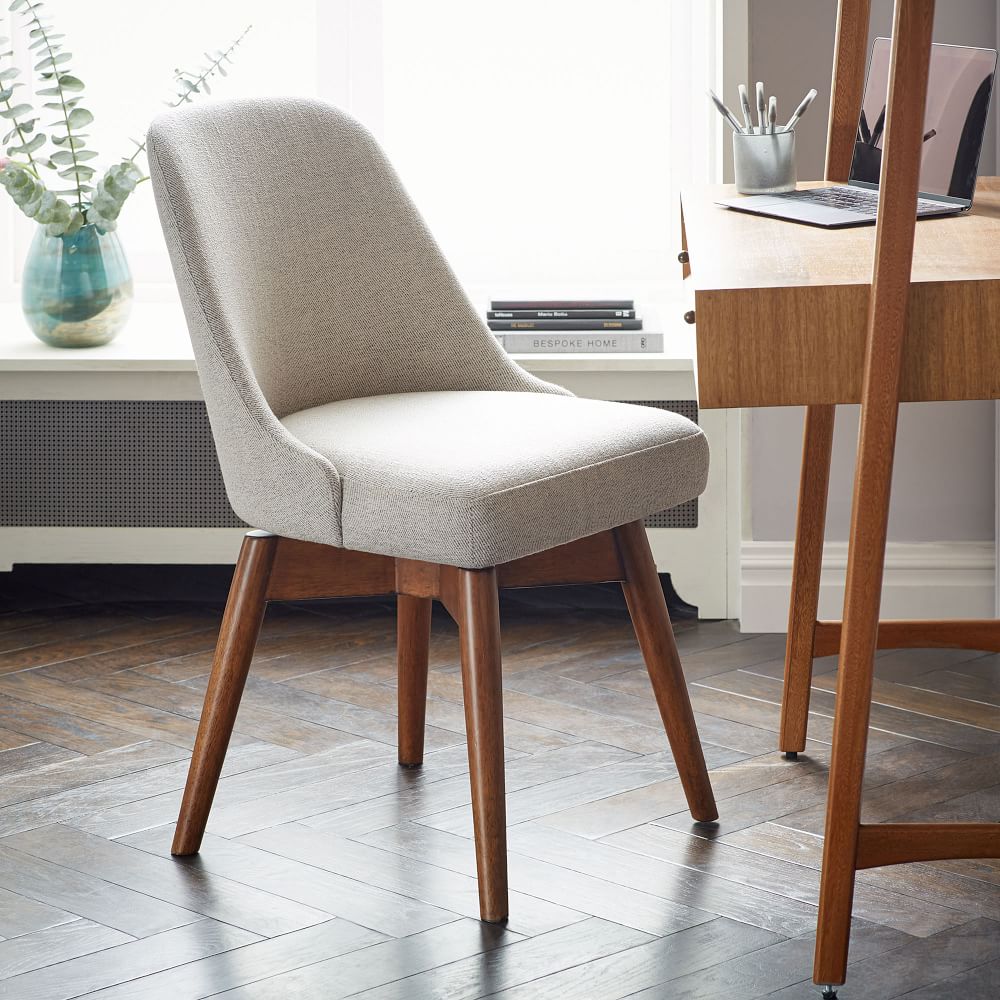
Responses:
[477,610]
[644,596]
[413,635]
[233,653]
[829,993]
[790,755]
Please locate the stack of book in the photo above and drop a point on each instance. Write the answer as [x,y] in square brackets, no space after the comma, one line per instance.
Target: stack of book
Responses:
[570,326]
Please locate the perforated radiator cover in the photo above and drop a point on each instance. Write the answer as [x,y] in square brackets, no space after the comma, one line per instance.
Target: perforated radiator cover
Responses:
[140,464]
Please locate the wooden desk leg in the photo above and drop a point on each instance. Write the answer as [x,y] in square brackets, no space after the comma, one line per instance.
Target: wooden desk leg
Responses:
[807,565]
[911,49]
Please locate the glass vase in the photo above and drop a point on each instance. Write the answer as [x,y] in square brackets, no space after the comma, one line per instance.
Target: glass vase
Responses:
[76,290]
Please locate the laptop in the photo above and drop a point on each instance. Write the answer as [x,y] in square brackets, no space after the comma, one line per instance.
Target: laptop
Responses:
[959,90]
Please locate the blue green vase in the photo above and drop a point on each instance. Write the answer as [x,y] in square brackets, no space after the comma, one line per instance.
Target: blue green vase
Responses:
[76,290]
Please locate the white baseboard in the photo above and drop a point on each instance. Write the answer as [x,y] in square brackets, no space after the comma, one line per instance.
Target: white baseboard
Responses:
[118,545]
[922,580]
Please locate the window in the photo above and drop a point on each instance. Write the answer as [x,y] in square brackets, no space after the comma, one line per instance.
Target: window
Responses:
[545,142]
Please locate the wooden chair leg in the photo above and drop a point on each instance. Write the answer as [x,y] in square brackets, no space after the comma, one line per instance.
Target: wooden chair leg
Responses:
[233,653]
[413,634]
[817,448]
[648,609]
[476,607]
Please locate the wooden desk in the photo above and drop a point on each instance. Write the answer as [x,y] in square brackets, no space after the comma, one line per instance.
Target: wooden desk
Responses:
[782,308]
[784,316]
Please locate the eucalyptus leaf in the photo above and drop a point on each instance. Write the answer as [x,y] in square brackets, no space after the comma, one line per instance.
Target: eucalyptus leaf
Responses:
[79,118]
[32,146]
[16,111]
[70,83]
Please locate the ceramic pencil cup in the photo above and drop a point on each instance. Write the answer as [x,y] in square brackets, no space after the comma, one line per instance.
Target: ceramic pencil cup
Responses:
[764,164]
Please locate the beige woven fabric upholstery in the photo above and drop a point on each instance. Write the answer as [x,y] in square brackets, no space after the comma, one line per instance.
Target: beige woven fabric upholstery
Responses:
[479,478]
[337,354]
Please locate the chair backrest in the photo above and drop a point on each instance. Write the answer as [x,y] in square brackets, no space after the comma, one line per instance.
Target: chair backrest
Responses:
[304,267]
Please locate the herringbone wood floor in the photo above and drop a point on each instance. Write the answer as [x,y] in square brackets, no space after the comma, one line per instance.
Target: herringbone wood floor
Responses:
[329,872]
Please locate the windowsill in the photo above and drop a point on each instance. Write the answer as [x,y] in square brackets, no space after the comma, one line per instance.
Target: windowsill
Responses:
[156,340]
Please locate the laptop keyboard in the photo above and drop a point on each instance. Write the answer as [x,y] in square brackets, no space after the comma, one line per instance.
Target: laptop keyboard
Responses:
[860,200]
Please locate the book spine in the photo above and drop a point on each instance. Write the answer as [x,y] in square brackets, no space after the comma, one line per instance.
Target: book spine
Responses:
[514,325]
[505,304]
[561,314]
[618,343]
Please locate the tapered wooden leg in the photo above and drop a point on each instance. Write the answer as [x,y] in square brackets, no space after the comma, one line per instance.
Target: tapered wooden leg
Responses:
[644,595]
[887,321]
[817,448]
[233,653]
[476,608]
[413,635]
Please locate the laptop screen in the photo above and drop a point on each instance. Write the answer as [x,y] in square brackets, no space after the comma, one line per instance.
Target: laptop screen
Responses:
[958,103]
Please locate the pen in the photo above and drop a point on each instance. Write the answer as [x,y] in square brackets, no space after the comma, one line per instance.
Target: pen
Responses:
[801,110]
[725,112]
[747,113]
[761,107]
[772,114]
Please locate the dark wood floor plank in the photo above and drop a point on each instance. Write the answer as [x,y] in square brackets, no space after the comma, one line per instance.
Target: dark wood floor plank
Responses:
[518,963]
[247,964]
[63,729]
[339,716]
[386,912]
[665,798]
[981,983]
[910,969]
[54,944]
[129,791]
[134,913]
[565,793]
[768,910]
[347,975]
[77,771]
[597,896]
[146,723]
[916,917]
[764,972]
[250,773]
[253,720]
[125,962]
[440,714]
[647,965]
[254,910]
[411,877]
[21,915]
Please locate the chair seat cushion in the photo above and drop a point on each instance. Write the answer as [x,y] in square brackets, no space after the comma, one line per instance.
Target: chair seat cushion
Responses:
[476,479]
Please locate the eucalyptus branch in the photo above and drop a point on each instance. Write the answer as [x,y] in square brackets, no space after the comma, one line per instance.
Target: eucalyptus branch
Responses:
[192,84]
[12,113]
[32,7]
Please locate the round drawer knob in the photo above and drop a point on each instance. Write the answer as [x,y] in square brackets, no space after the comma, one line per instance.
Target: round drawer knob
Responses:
[689,316]
[683,257]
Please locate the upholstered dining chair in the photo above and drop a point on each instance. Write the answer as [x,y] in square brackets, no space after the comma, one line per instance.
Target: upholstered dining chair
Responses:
[381,442]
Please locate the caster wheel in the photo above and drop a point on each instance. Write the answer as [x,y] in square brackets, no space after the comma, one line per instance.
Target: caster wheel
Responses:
[791,755]
[829,993]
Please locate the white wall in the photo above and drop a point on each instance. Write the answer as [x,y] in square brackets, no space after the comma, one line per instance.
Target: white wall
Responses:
[943,487]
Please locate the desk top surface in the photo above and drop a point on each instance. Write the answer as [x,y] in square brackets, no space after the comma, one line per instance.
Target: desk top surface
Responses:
[731,250]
